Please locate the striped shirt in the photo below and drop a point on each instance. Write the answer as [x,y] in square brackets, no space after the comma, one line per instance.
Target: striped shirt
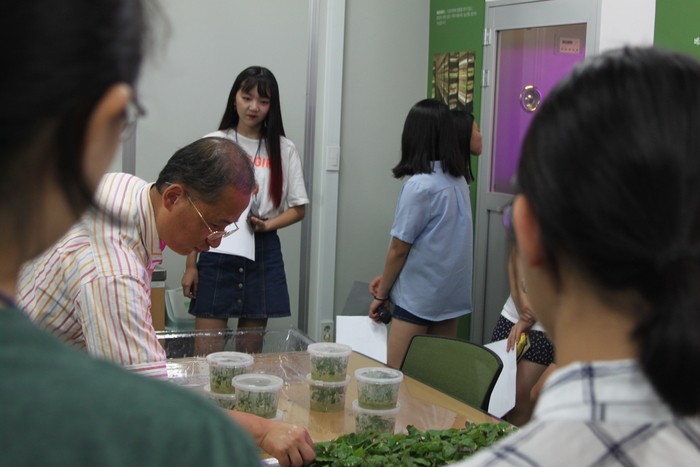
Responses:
[602,414]
[92,288]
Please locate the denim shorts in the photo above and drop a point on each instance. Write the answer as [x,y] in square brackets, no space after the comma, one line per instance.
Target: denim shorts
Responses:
[541,349]
[404,315]
[236,287]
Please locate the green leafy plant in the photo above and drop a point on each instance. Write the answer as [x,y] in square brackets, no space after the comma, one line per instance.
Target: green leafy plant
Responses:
[377,396]
[220,378]
[263,404]
[375,423]
[327,399]
[418,448]
[329,368]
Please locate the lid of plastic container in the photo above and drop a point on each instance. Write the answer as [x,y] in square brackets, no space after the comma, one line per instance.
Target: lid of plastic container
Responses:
[216,395]
[378,375]
[356,407]
[328,384]
[229,359]
[329,349]
[257,382]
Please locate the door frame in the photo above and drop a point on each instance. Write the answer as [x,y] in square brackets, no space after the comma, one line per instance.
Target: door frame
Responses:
[490,271]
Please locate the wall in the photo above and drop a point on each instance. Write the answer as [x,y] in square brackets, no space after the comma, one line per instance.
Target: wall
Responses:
[626,22]
[386,49]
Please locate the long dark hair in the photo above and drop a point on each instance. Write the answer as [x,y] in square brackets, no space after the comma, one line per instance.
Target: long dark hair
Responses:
[429,135]
[464,124]
[611,167]
[59,62]
[272,129]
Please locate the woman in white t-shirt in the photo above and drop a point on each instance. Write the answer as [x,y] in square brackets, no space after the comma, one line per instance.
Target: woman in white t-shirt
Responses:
[224,286]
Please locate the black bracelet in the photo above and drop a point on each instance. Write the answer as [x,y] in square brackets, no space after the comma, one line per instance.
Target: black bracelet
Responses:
[380,299]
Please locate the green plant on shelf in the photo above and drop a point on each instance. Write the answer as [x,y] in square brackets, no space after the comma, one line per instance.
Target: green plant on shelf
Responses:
[329,368]
[263,404]
[431,448]
[327,399]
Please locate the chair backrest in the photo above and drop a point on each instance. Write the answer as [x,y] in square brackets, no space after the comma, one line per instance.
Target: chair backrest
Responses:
[459,368]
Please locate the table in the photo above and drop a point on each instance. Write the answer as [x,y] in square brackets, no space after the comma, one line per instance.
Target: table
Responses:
[422,406]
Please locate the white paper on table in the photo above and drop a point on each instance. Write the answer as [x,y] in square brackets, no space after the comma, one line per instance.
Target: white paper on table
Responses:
[241,242]
[362,334]
[503,395]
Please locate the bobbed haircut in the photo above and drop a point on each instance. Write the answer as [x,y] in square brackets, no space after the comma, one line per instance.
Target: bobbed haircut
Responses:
[464,124]
[262,79]
[611,167]
[206,167]
[429,135]
[60,59]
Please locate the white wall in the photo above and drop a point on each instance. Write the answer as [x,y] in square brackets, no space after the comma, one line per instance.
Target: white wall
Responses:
[185,85]
[385,73]
[626,22]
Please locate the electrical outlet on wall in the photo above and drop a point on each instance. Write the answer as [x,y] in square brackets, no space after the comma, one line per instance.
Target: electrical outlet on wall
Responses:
[327,331]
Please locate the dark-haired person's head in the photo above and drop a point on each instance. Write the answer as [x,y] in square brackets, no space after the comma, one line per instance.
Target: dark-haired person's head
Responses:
[428,136]
[257,82]
[70,69]
[263,81]
[610,171]
[468,138]
[204,187]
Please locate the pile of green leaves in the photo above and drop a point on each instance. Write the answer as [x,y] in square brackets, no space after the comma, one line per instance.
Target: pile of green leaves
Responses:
[430,448]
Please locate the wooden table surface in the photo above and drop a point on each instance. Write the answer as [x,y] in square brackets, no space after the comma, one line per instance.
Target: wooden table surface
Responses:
[421,406]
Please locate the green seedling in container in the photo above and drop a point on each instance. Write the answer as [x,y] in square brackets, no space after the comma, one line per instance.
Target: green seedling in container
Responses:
[263,404]
[329,368]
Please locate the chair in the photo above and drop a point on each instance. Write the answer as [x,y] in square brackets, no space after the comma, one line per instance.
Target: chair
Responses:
[459,368]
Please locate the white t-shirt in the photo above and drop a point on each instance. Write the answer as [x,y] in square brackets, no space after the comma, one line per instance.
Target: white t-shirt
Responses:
[511,314]
[293,189]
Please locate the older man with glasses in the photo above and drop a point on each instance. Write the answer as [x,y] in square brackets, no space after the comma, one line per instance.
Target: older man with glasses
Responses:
[92,288]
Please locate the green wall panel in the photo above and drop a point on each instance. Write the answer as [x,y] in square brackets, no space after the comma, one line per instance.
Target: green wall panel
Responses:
[456,34]
[678,26]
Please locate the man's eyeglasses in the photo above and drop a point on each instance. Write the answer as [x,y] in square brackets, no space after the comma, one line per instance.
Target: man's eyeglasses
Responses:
[214,234]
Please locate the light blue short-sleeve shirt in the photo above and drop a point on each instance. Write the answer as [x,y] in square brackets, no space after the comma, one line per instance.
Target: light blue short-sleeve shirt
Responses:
[434,215]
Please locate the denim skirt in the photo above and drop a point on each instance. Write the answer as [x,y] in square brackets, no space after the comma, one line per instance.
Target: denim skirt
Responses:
[236,287]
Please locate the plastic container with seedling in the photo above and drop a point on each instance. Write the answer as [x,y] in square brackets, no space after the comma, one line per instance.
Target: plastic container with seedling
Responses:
[223,366]
[327,396]
[258,394]
[329,361]
[378,388]
[377,421]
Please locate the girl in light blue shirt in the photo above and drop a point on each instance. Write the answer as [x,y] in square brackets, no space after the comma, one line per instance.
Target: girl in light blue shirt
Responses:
[428,270]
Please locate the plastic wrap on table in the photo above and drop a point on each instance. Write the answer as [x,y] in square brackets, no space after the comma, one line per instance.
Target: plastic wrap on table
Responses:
[284,353]
[178,344]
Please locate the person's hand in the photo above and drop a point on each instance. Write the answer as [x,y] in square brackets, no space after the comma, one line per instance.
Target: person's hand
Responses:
[518,328]
[190,281]
[290,444]
[526,312]
[257,224]
[374,309]
[374,285]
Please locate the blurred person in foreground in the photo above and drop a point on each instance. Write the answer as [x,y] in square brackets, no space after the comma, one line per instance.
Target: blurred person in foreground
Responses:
[607,223]
[66,99]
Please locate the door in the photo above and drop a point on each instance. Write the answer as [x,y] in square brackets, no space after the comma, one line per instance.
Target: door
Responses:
[529,47]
